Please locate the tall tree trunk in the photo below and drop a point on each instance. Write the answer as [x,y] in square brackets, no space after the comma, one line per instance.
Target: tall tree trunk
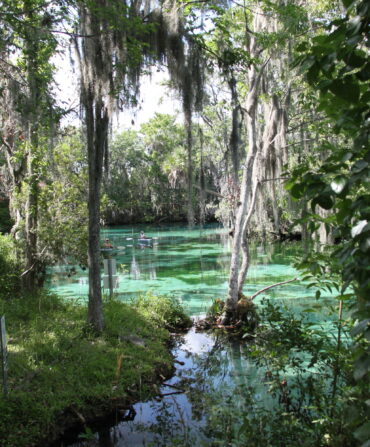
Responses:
[190,174]
[245,244]
[29,277]
[254,79]
[95,67]
[202,183]
[33,116]
[235,139]
[97,133]
[269,155]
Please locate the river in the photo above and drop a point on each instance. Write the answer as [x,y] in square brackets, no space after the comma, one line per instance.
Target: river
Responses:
[212,375]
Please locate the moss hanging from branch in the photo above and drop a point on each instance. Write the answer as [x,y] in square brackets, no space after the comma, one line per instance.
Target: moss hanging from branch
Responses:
[119,39]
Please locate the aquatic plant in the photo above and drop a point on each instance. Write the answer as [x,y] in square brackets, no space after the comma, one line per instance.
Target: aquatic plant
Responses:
[306,383]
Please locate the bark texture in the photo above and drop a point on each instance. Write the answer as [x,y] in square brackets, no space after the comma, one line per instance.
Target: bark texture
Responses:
[94,56]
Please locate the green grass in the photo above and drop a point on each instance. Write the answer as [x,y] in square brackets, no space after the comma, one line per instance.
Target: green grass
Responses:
[56,368]
[163,311]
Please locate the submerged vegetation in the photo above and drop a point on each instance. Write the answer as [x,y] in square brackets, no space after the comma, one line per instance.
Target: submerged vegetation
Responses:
[303,396]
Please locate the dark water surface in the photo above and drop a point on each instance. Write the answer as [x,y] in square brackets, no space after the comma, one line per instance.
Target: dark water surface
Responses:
[191,265]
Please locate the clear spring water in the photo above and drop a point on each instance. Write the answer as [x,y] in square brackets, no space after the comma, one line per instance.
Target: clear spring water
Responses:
[191,265]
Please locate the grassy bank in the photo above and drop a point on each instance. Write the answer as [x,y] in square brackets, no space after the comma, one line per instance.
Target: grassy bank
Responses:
[60,374]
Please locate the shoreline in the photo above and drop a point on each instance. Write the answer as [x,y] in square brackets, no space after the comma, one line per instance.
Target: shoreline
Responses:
[63,379]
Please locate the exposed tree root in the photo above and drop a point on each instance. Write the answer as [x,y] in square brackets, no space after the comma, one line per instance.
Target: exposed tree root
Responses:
[245,316]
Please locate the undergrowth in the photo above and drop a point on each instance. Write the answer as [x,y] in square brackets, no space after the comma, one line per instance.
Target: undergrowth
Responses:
[56,367]
[163,311]
[9,268]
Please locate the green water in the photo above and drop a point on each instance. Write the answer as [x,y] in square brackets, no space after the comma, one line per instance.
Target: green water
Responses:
[191,265]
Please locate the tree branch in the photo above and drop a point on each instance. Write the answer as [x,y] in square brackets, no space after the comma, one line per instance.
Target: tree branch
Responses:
[33,265]
[210,191]
[270,287]
[273,179]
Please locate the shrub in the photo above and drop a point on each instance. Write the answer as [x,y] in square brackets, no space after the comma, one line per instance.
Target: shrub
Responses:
[9,268]
[165,312]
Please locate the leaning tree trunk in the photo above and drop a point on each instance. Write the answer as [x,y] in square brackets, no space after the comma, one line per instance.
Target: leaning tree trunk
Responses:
[265,153]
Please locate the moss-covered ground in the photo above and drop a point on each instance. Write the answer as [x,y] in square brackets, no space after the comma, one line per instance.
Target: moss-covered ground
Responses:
[59,373]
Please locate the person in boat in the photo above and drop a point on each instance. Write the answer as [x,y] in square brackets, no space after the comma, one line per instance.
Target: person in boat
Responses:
[142,235]
[107,244]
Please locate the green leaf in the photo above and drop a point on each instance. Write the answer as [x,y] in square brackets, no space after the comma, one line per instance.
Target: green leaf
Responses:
[297,190]
[303,46]
[348,3]
[323,200]
[359,166]
[364,74]
[345,89]
[347,156]
[356,59]
[363,433]
[313,73]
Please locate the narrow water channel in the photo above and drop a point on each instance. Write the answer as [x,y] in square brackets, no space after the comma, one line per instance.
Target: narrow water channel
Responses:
[208,371]
[191,265]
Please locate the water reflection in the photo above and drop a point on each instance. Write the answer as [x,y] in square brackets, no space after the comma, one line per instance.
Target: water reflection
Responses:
[134,271]
[178,416]
[206,367]
[191,265]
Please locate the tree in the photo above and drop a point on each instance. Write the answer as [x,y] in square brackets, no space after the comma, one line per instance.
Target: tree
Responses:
[247,51]
[147,178]
[252,46]
[28,117]
[62,201]
[97,52]
[116,39]
[336,64]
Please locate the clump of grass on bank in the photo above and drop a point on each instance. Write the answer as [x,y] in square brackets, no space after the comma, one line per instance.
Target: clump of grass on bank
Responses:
[57,370]
[163,311]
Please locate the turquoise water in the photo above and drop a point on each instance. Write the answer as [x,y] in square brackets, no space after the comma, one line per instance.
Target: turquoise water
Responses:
[191,265]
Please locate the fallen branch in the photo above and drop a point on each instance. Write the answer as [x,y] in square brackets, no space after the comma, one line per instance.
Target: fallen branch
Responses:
[173,386]
[170,394]
[80,416]
[270,287]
